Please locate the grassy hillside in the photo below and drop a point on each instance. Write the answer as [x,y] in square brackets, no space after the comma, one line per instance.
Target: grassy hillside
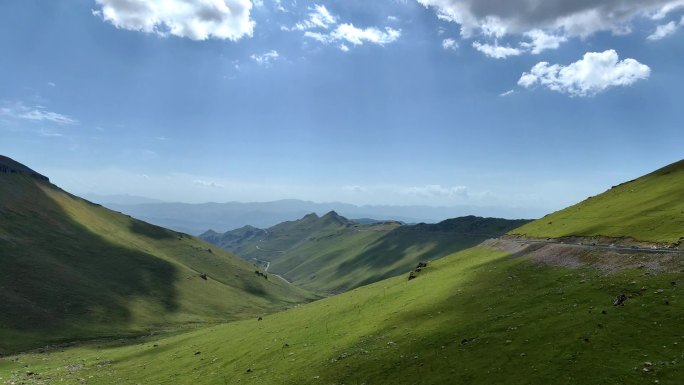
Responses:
[70,269]
[476,317]
[650,208]
[333,254]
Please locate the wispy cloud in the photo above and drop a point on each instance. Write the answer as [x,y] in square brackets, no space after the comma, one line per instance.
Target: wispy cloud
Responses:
[320,21]
[665,30]
[208,183]
[449,44]
[319,17]
[19,111]
[437,191]
[266,59]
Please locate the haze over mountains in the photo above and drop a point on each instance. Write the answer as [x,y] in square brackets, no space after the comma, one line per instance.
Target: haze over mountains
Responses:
[198,218]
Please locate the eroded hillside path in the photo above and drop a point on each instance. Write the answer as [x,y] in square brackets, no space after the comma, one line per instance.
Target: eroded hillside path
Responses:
[596,246]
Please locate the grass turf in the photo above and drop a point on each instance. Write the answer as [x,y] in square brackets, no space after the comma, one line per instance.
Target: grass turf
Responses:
[650,208]
[476,317]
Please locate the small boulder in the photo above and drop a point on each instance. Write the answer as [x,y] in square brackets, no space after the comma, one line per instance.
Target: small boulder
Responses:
[620,300]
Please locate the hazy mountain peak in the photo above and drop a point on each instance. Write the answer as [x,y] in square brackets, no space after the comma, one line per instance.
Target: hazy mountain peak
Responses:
[310,216]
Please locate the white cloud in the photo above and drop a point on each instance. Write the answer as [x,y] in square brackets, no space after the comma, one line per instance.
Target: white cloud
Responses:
[196,20]
[36,114]
[663,31]
[593,74]
[449,44]
[319,17]
[541,41]
[279,6]
[320,20]
[542,25]
[437,191]
[496,51]
[267,58]
[507,93]
[356,36]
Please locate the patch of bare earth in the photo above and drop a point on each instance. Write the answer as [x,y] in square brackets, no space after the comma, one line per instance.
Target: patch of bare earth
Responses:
[573,256]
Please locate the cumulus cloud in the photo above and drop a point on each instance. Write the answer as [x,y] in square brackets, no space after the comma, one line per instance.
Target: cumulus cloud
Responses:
[437,191]
[196,20]
[593,74]
[266,59]
[35,113]
[449,44]
[541,41]
[320,20]
[496,51]
[542,25]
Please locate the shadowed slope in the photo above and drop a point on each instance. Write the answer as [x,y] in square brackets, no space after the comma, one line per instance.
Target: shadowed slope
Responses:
[477,317]
[71,269]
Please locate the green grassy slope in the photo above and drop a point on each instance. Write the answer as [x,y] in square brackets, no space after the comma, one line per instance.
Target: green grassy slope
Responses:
[476,317]
[71,269]
[333,254]
[650,208]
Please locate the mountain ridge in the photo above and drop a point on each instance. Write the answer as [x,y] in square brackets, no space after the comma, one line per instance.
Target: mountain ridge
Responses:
[71,269]
[331,253]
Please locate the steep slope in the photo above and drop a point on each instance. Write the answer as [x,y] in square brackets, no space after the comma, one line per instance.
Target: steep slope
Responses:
[332,254]
[480,316]
[71,269]
[477,317]
[650,208]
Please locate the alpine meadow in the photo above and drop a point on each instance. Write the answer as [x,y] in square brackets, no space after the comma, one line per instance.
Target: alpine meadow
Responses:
[341,192]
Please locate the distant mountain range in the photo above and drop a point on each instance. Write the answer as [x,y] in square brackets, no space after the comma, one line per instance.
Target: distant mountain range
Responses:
[331,253]
[198,218]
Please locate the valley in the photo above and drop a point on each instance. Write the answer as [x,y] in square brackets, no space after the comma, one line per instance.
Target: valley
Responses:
[527,306]
[331,254]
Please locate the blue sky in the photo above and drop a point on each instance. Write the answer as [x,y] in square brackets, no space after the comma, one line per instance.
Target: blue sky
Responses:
[434,102]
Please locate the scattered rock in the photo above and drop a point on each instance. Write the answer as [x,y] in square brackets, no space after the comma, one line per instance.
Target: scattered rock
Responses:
[198,353]
[249,370]
[203,276]
[620,300]
[259,319]
[411,276]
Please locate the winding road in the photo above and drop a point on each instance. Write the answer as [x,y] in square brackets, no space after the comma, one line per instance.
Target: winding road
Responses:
[594,246]
[268,264]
